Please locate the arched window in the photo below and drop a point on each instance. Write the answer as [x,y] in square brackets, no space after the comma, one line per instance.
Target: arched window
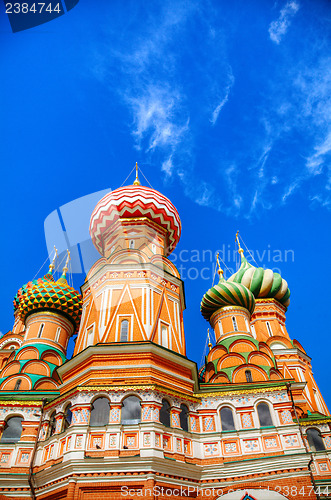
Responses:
[18,384]
[124,330]
[269,329]
[90,335]
[264,414]
[183,417]
[234,322]
[131,245]
[227,419]
[100,412]
[58,331]
[153,248]
[40,330]
[52,425]
[12,431]
[67,417]
[131,411]
[315,440]
[164,336]
[248,375]
[165,413]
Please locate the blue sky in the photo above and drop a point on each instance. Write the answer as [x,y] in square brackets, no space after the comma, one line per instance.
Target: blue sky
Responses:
[226,107]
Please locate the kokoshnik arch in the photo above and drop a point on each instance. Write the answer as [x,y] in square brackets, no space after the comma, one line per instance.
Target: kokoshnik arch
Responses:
[129,411]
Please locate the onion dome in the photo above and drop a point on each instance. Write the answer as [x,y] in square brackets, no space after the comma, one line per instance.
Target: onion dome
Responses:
[130,202]
[46,294]
[226,294]
[263,283]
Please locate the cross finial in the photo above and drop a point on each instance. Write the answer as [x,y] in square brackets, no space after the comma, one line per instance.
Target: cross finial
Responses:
[210,345]
[52,265]
[137,181]
[240,250]
[220,270]
[65,269]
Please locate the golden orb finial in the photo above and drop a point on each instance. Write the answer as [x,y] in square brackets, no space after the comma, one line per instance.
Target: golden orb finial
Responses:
[52,265]
[210,345]
[65,269]
[240,250]
[220,270]
[137,181]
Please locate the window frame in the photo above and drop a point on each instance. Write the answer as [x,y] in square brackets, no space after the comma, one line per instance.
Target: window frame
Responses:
[264,403]
[12,440]
[130,421]
[226,407]
[312,444]
[168,410]
[92,408]
[235,324]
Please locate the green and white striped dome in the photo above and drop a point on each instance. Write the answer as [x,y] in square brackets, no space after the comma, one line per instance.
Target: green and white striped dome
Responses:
[226,294]
[263,283]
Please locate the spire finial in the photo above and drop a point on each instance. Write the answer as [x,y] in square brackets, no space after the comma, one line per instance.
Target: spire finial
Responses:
[52,265]
[137,181]
[65,269]
[220,270]
[240,250]
[210,345]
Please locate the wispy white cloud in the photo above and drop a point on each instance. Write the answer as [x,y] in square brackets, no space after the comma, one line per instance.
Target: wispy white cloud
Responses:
[175,99]
[224,100]
[316,161]
[156,116]
[279,27]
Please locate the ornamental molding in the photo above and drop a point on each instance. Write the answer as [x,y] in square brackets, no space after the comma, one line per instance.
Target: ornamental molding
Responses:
[11,339]
[126,388]
[21,403]
[316,422]
[238,393]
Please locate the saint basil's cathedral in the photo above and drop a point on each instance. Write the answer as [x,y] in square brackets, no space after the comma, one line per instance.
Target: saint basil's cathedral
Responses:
[129,415]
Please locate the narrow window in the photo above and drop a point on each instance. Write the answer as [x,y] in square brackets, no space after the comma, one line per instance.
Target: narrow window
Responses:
[253,331]
[131,244]
[264,414]
[165,413]
[153,248]
[269,329]
[183,417]
[100,412]
[40,330]
[227,421]
[131,411]
[248,375]
[90,335]
[234,322]
[124,330]
[58,331]
[52,425]
[67,417]
[315,440]
[18,384]
[12,431]
[164,336]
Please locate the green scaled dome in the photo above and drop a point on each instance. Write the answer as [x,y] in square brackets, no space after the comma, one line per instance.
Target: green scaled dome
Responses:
[46,294]
[226,294]
[263,283]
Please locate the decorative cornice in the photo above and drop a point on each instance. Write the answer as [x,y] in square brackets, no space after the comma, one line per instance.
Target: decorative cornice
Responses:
[248,391]
[20,403]
[115,388]
[314,422]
